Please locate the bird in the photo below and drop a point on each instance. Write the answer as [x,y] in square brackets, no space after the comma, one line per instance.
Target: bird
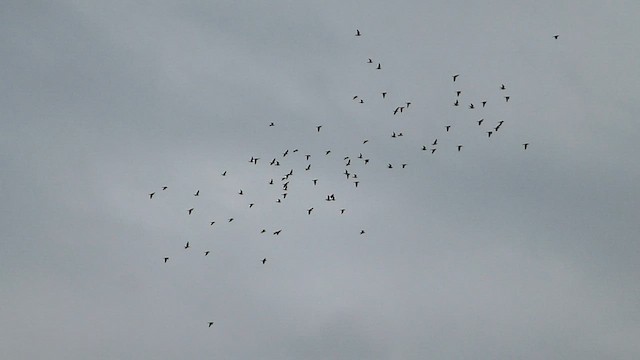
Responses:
[166,259]
[408,103]
[307,156]
[556,36]
[355,97]
[361,101]
[455,77]
[456,103]
[230,219]
[186,246]
[365,141]
[370,61]
[396,110]
[315,181]
[424,147]
[525,145]
[327,152]
[356,183]
[318,127]
[379,67]
[287,151]
[435,142]
[264,260]
[271,182]
[190,211]
[471,106]
[240,192]
[272,124]
[309,211]
[361,232]
[164,188]
[480,122]
[277,232]
[251,205]
[366,161]
[342,211]
[308,167]
[210,323]
[459,147]
[358,33]
[197,193]
[506,98]
[211,223]
[458,93]
[206,253]
[502,87]
[433,150]
[404,165]
[389,166]
[151,195]
[384,94]
[489,133]
[447,127]
[484,103]
[224,173]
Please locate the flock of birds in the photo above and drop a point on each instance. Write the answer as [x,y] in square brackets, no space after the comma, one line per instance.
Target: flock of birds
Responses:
[348,161]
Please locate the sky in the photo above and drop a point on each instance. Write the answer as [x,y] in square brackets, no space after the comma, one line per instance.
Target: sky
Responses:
[490,252]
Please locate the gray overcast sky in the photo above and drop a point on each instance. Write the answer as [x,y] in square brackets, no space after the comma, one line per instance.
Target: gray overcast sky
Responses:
[492,252]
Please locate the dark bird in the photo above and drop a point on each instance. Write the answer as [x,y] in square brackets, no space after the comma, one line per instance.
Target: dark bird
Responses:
[361,232]
[230,219]
[379,67]
[502,87]
[166,259]
[272,124]
[264,260]
[447,127]
[357,34]
[273,161]
[360,156]
[455,77]
[366,161]
[308,167]
[489,133]
[435,142]
[408,103]
[396,110]
[151,195]
[278,200]
[347,164]
[404,165]
[525,145]
[365,141]
[287,151]
[211,223]
[190,211]
[271,182]
[186,246]
[480,122]
[210,323]
[307,156]
[506,98]
[459,147]
[327,152]
[263,231]
[251,205]
[471,106]
[384,94]
[433,150]
[458,93]
[206,253]
[424,147]
[556,36]
[277,232]
[356,183]
[456,103]
[164,188]
[197,193]
[240,192]
[361,101]
[370,61]
[315,181]
[318,127]
[309,211]
[284,195]
[389,166]
[399,134]
[295,150]
[355,97]
[484,103]
[224,173]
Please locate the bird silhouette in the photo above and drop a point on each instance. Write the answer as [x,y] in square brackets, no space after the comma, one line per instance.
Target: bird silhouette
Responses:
[361,101]
[342,211]
[471,106]
[480,122]
[190,211]
[435,142]
[459,147]
[358,33]
[206,253]
[458,93]
[556,36]
[447,127]
[263,231]
[315,181]
[455,77]
[389,166]
[355,97]
[251,205]
[272,124]
[484,103]
[151,195]
[370,61]
[502,87]
[230,219]
[506,98]
[210,323]
[525,145]
[197,193]
[424,147]
[489,133]
[166,259]
[327,152]
[307,156]
[361,232]
[309,211]
[224,173]
[277,232]
[379,67]
[365,141]
[211,223]
[264,260]
[384,94]
[433,150]
[271,182]
[240,192]
[186,246]
[456,103]
[318,127]
[308,167]
[164,188]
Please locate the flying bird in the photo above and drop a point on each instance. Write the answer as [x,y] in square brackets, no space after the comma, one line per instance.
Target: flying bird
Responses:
[484,103]
[525,145]
[197,193]
[164,188]
[277,232]
[456,103]
[211,223]
[272,124]
[433,150]
[480,122]
[384,94]
[459,147]
[151,195]
[186,246]
[471,106]
[356,183]
[318,127]
[190,211]
[230,219]
[370,61]
[210,323]
[251,205]
[455,77]
[309,211]
[315,181]
[355,97]
[506,98]
[502,87]
[240,192]
[404,165]
[361,232]
[224,173]
[379,67]
[166,259]
[458,93]
[264,260]
[365,141]
[358,33]
[435,142]
[489,133]
[342,211]
[206,253]
[447,127]
[556,36]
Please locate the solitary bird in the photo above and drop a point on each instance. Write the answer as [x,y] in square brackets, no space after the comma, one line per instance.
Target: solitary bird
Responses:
[264,260]
[190,211]
[315,181]
[384,94]
[358,33]
[459,147]
[318,127]
[370,61]
[197,193]
[458,93]
[309,211]
[230,219]
[502,87]
[471,106]
[240,192]
[379,67]
[484,103]
[206,253]
[327,152]
[361,232]
[506,98]
[186,246]
[272,124]
[525,145]
[447,127]
[342,211]
[251,205]
[166,259]
[455,77]
[151,195]
[277,232]
[224,173]
[556,36]
[365,141]
[480,122]
[210,323]
[211,224]
[164,188]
